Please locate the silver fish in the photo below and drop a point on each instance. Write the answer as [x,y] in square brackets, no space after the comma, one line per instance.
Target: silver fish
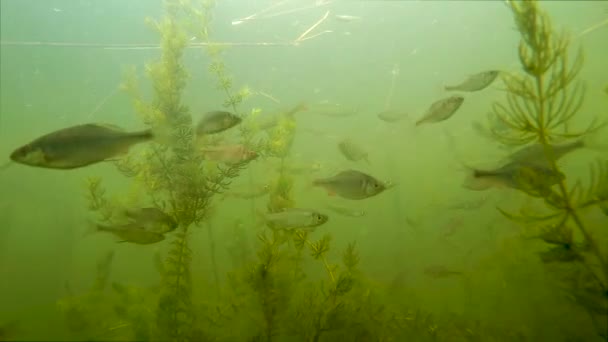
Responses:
[78,146]
[352,151]
[293,218]
[132,232]
[216,122]
[475,82]
[345,211]
[346,17]
[441,110]
[351,184]
[152,219]
[258,191]
[392,115]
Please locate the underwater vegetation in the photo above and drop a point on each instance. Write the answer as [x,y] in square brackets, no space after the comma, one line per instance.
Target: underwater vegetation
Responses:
[540,105]
[273,293]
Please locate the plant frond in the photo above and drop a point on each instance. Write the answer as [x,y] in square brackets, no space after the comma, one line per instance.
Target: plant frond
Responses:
[596,192]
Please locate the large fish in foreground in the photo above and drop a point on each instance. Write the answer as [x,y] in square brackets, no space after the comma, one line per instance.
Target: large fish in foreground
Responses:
[78,146]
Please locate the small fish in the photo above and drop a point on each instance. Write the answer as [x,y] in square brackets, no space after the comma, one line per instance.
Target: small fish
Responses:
[439,271]
[475,82]
[152,219]
[352,151]
[334,110]
[451,226]
[526,177]
[78,146]
[392,115]
[441,110]
[351,184]
[535,154]
[132,232]
[216,122]
[302,168]
[258,191]
[293,218]
[346,17]
[345,211]
[468,205]
[229,154]
[265,122]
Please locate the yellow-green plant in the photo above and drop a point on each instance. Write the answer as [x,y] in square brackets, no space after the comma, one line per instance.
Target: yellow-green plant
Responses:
[539,107]
[174,175]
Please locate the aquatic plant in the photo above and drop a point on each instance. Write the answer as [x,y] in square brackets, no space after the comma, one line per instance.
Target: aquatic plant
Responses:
[540,106]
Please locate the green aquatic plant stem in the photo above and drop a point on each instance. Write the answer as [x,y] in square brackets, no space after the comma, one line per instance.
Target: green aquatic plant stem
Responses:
[540,51]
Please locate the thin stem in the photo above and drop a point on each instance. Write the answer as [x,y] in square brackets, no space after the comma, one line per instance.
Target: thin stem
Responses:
[569,207]
[212,256]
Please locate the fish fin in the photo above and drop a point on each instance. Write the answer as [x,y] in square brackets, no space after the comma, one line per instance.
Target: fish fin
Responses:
[161,133]
[92,228]
[476,181]
[591,141]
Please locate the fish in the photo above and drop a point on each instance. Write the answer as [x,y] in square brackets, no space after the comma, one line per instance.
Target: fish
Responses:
[346,17]
[258,191]
[131,232]
[151,219]
[345,211]
[441,110]
[475,82]
[468,205]
[529,178]
[535,154]
[392,115]
[229,154]
[351,184]
[294,218]
[9,330]
[266,122]
[334,110]
[439,271]
[352,151]
[215,122]
[78,146]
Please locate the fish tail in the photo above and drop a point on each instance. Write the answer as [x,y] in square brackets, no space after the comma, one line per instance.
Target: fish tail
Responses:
[92,228]
[479,180]
[450,88]
[301,107]
[144,135]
